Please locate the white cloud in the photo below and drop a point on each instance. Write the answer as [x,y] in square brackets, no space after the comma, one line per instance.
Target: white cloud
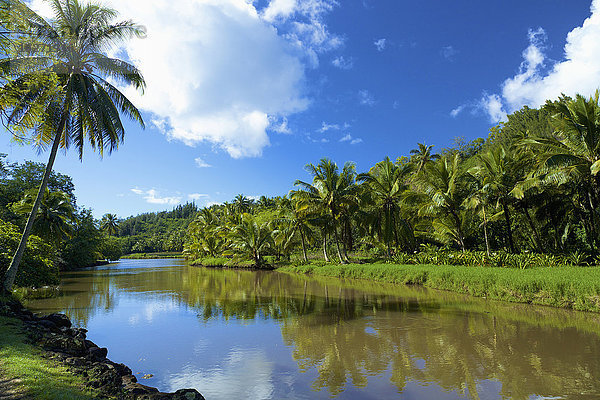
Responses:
[366,98]
[454,113]
[328,127]
[349,138]
[380,44]
[219,71]
[492,104]
[343,63]
[281,126]
[448,52]
[151,196]
[200,163]
[536,81]
[197,196]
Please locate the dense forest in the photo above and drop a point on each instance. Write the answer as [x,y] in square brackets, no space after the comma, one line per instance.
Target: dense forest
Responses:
[529,188]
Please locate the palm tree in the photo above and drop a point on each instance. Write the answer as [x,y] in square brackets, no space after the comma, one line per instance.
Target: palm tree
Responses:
[109,223]
[250,238]
[422,156]
[386,184]
[56,213]
[242,204]
[329,194]
[441,198]
[573,153]
[87,107]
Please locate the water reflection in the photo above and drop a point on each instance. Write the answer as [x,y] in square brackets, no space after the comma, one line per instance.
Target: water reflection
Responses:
[276,335]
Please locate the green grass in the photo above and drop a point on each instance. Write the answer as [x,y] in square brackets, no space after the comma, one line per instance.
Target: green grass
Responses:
[144,256]
[567,287]
[34,376]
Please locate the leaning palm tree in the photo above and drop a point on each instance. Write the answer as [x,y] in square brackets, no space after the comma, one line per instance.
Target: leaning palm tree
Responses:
[422,156]
[329,194]
[87,107]
[109,223]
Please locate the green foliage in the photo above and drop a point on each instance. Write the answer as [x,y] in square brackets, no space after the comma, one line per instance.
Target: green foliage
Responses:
[38,266]
[111,249]
[85,246]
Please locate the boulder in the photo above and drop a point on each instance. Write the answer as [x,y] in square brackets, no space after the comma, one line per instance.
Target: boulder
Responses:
[98,353]
[61,320]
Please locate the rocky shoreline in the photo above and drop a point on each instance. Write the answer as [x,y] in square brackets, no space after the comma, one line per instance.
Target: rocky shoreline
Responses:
[69,346]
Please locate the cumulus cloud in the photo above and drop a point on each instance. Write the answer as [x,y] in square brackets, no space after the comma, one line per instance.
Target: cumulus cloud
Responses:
[346,138]
[197,196]
[380,44]
[220,71]
[151,196]
[454,113]
[343,63]
[540,79]
[200,163]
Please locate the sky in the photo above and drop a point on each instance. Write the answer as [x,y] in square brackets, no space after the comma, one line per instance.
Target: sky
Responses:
[242,94]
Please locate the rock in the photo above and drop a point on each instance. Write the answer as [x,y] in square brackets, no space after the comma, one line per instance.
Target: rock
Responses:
[61,320]
[98,353]
[51,326]
[187,394]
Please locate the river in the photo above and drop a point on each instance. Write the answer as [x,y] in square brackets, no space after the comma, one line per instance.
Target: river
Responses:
[266,335]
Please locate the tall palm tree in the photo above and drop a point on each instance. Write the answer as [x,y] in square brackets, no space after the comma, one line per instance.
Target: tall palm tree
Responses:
[330,192]
[422,156]
[441,197]
[573,152]
[386,183]
[242,204]
[87,107]
[250,238]
[109,223]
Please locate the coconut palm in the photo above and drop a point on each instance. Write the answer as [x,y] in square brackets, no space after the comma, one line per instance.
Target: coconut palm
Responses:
[386,183]
[330,192]
[87,107]
[422,156]
[55,216]
[110,223]
[250,238]
[440,197]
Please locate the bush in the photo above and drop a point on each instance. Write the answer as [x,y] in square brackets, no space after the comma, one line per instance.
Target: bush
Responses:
[111,248]
[37,266]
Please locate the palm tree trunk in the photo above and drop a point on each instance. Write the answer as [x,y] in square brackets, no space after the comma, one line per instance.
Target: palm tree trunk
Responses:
[337,243]
[536,235]
[325,246]
[508,228]
[487,242]
[13,268]
[303,246]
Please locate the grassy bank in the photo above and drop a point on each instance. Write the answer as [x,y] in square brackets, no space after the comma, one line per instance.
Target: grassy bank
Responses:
[24,373]
[567,287]
[145,256]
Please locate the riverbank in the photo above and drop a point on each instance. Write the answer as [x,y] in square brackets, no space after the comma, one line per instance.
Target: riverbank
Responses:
[575,288]
[152,256]
[46,358]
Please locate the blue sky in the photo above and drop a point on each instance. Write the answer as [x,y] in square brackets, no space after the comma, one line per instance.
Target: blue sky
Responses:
[241,95]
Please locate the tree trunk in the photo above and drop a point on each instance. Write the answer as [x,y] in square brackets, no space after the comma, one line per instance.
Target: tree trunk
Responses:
[536,235]
[337,244]
[13,268]
[303,246]
[508,228]
[487,242]
[325,246]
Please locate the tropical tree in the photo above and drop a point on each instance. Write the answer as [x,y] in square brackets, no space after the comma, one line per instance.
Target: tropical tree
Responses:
[250,238]
[439,195]
[87,107]
[386,183]
[421,156]
[330,192]
[55,215]
[572,154]
[110,224]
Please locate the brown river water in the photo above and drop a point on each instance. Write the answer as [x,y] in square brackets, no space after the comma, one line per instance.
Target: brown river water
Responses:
[267,335]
